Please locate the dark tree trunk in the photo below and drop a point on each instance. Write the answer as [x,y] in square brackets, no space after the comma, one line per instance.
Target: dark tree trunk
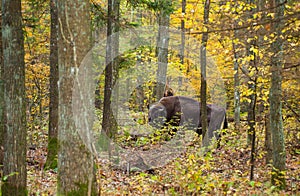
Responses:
[251,111]
[279,153]
[109,124]
[203,91]
[14,100]
[252,80]
[53,106]
[252,83]
[251,130]
[76,174]
[182,44]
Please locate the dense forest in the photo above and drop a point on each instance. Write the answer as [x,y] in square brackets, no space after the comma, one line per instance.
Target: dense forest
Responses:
[150,97]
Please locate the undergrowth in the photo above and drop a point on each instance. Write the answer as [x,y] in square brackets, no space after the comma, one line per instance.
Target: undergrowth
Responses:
[222,171]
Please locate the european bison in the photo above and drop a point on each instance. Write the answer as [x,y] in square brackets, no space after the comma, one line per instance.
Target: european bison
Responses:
[185,111]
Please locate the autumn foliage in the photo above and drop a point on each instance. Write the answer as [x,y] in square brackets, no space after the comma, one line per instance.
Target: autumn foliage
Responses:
[238,32]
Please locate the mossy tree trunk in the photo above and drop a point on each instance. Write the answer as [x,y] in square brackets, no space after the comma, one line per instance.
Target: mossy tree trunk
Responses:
[268,139]
[76,175]
[14,100]
[51,162]
[276,124]
[1,98]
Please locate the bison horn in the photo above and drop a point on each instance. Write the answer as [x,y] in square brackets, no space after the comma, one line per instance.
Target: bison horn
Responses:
[161,110]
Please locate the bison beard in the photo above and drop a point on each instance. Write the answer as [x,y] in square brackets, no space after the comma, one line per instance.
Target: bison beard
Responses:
[185,111]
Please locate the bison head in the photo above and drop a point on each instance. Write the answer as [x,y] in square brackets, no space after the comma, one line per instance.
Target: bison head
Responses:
[157,115]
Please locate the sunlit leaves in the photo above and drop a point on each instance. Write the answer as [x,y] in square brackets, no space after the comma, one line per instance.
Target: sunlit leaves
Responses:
[36,18]
[271,15]
[192,173]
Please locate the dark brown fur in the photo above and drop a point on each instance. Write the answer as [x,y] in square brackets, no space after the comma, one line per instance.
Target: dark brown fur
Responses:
[180,110]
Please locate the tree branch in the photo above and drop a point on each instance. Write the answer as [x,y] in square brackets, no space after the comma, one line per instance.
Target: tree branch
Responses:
[292,110]
[254,24]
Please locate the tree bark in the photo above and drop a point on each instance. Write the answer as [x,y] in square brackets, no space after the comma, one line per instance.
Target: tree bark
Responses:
[14,100]
[53,105]
[109,124]
[252,85]
[203,91]
[268,139]
[236,53]
[237,106]
[182,44]
[251,130]
[162,49]
[279,153]
[76,174]
[1,99]
[252,80]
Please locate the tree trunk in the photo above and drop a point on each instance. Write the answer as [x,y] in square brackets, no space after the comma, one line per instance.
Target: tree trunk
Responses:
[237,106]
[53,106]
[268,139]
[205,138]
[279,153]
[252,84]
[252,80]
[236,53]
[76,174]
[140,94]
[182,44]
[1,99]
[109,124]
[14,100]
[162,50]
[251,130]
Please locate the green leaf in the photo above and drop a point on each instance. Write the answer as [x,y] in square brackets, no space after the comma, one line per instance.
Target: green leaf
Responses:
[4,179]
[252,183]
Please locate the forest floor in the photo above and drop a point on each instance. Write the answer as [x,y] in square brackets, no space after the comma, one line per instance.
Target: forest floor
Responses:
[223,171]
